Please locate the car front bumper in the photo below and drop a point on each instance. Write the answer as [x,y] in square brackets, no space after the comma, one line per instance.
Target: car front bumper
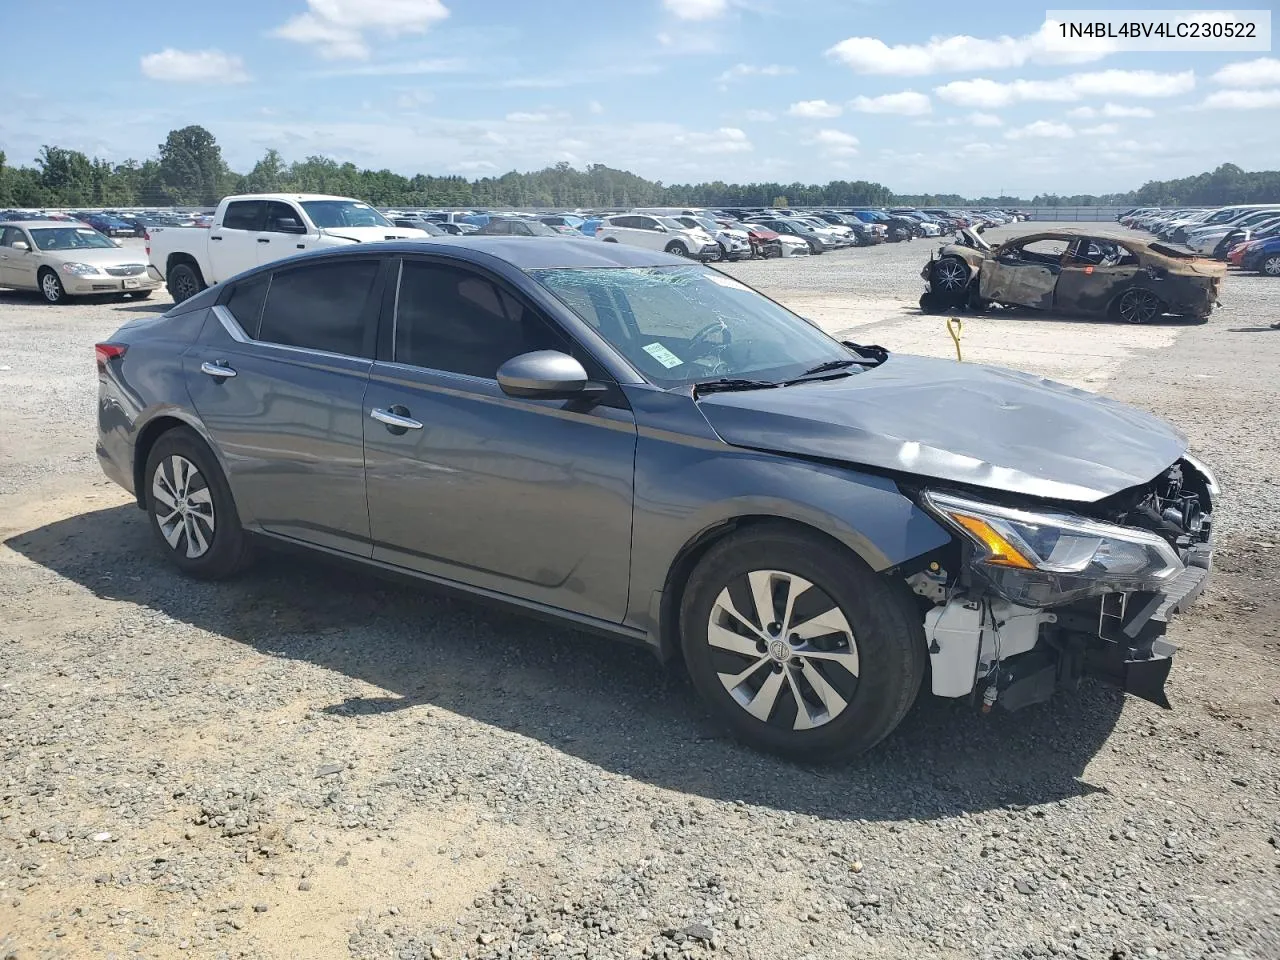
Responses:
[86,286]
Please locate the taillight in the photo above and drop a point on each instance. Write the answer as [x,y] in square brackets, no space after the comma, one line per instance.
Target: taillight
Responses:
[106,352]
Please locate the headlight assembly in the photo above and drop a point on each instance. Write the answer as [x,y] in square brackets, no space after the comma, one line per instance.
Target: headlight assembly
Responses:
[1037,556]
[80,269]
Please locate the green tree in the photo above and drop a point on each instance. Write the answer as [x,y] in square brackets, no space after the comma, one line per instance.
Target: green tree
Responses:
[66,176]
[267,175]
[191,166]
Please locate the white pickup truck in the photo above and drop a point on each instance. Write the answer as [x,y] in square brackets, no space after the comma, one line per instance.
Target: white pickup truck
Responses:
[259,228]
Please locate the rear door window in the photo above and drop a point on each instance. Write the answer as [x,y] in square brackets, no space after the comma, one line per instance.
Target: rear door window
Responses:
[322,306]
[244,215]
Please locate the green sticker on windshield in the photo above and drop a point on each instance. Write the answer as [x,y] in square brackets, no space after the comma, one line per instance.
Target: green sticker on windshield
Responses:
[662,355]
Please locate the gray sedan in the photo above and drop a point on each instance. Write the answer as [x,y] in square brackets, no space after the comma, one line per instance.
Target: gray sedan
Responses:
[650,450]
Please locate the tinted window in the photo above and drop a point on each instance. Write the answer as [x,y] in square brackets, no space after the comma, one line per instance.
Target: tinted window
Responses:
[449,319]
[243,215]
[245,303]
[321,307]
[281,215]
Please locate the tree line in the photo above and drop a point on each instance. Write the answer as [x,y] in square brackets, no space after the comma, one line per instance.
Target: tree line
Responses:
[189,170]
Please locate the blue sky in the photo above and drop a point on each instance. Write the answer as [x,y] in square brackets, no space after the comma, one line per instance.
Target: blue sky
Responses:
[969,97]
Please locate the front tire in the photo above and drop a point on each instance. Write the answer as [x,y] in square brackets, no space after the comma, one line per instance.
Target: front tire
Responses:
[191,511]
[950,280]
[677,249]
[797,646]
[51,287]
[184,282]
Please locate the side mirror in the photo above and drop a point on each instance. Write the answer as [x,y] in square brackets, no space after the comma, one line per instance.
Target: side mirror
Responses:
[544,375]
[117,243]
[289,225]
[662,229]
[21,245]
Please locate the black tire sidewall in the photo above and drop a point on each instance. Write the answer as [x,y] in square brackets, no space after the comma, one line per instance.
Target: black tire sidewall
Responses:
[178,271]
[888,633]
[229,549]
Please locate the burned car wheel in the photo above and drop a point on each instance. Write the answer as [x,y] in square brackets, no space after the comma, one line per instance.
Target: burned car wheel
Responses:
[797,646]
[951,279]
[1137,306]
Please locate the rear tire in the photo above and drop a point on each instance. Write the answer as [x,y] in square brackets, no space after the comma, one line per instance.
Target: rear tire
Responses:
[184,282]
[834,672]
[1271,265]
[190,509]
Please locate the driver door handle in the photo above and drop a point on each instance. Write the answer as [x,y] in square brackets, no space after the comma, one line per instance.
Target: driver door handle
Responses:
[264,239]
[219,371]
[395,419]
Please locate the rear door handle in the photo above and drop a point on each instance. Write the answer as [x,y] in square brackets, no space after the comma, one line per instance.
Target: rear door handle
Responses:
[395,421]
[219,371]
[264,239]
[214,238]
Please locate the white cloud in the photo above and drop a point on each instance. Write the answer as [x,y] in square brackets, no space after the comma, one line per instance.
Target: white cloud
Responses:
[741,70]
[1042,130]
[1242,99]
[1263,72]
[985,119]
[724,140]
[815,109]
[520,117]
[1101,130]
[760,116]
[1112,110]
[398,68]
[985,93]
[194,66]
[337,27]
[962,53]
[595,107]
[908,103]
[696,9]
[835,143]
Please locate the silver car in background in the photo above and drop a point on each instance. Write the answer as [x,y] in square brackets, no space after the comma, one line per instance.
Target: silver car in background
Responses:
[62,260]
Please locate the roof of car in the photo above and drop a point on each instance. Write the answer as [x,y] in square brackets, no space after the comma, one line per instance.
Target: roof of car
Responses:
[524,253]
[40,223]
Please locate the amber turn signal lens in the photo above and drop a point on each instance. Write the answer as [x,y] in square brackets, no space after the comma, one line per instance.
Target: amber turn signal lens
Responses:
[1001,552]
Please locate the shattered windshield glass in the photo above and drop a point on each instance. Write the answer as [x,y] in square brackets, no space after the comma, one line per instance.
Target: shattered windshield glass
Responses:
[689,324]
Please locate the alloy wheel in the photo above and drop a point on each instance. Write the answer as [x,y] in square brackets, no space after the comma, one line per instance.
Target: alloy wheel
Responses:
[790,660]
[950,275]
[1138,306]
[51,288]
[1271,266]
[185,284]
[182,505]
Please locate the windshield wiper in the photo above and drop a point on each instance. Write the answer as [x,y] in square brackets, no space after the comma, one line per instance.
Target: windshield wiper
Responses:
[731,383]
[824,371]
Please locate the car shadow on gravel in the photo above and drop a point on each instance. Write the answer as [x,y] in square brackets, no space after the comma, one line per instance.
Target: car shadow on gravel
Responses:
[1021,313]
[606,703]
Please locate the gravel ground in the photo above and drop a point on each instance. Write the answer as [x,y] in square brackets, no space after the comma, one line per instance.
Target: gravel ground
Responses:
[311,762]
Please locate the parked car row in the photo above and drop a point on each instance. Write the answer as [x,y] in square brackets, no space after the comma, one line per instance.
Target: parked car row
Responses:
[1244,235]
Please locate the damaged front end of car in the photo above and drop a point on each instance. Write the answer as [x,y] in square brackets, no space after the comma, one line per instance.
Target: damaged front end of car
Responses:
[1030,597]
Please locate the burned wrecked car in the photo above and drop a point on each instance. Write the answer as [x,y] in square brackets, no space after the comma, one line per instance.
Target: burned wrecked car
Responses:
[1075,271]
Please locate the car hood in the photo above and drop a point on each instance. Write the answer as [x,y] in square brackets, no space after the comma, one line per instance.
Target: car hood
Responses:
[98,256]
[959,422]
[372,234]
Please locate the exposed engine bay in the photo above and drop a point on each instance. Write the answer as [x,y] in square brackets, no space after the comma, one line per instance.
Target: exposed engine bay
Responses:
[1010,632]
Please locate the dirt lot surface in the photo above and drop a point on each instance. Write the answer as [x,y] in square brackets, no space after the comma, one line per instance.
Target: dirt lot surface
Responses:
[314,763]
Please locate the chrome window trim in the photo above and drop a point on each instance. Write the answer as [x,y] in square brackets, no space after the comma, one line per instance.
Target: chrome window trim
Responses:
[236,332]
